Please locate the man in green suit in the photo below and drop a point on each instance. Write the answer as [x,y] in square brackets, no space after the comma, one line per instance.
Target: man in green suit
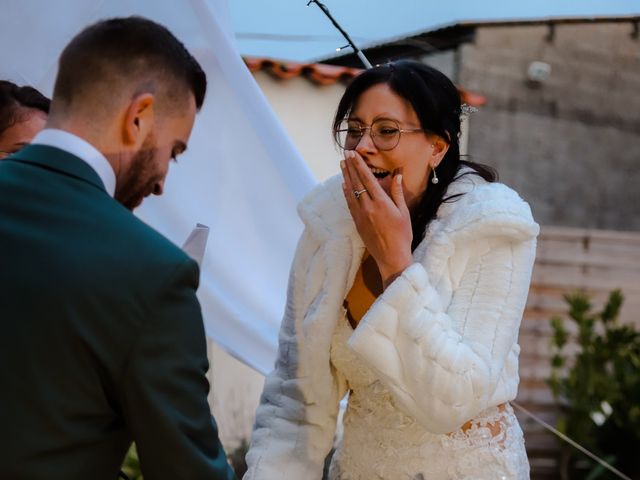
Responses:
[101,339]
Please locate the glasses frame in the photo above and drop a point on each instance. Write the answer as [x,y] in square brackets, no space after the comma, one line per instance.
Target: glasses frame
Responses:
[367,128]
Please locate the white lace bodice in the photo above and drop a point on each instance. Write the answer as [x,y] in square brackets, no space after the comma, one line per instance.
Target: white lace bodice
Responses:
[380,442]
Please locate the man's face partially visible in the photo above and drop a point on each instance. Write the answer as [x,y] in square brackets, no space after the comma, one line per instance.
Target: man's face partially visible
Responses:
[142,177]
[149,166]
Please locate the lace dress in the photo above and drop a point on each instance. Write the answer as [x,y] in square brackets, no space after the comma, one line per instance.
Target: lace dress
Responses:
[380,442]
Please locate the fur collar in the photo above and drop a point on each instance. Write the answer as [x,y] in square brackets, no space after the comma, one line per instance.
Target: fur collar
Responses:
[486,209]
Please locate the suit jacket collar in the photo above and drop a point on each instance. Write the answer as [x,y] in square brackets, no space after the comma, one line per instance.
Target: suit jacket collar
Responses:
[59,161]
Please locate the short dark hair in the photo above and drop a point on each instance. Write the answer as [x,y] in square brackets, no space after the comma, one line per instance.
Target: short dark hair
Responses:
[14,98]
[127,49]
[436,101]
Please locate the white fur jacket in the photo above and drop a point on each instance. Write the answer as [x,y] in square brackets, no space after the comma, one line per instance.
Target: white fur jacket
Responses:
[442,337]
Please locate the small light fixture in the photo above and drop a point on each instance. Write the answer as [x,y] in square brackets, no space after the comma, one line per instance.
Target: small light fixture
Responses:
[538,73]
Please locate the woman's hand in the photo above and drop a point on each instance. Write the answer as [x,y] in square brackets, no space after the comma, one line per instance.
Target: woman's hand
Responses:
[383,221]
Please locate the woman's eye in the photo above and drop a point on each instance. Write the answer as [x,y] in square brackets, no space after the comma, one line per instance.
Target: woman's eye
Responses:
[388,131]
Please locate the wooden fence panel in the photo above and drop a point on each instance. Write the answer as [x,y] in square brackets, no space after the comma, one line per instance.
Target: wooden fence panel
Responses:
[593,261]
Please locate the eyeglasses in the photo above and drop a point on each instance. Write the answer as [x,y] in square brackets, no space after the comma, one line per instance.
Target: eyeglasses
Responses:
[384,133]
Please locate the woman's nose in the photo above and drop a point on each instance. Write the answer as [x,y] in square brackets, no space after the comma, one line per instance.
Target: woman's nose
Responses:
[366,145]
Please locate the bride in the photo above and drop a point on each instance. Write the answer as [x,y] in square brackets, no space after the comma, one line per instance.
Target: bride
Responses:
[406,292]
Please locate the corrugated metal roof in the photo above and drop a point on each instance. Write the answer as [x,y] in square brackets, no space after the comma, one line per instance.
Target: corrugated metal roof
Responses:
[472,24]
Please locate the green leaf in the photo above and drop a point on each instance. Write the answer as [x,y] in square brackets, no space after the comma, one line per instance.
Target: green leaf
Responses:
[598,470]
[612,309]
[604,368]
[579,304]
[560,335]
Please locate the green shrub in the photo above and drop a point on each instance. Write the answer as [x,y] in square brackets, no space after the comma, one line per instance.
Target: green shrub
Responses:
[595,377]
[131,465]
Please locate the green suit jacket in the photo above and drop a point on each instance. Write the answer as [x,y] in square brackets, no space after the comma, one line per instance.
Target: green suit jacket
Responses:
[101,334]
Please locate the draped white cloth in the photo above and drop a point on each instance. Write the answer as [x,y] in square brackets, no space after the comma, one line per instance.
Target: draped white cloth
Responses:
[241,175]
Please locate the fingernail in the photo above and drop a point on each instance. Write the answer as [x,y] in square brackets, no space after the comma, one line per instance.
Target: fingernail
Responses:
[342,164]
[399,179]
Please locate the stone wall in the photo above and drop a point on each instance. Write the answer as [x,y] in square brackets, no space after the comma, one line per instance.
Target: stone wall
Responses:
[569,145]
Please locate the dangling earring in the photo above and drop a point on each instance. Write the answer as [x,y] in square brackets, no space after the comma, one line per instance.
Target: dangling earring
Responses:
[434,179]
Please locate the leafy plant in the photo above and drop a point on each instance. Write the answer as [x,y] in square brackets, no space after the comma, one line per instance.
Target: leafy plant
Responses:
[595,376]
[131,465]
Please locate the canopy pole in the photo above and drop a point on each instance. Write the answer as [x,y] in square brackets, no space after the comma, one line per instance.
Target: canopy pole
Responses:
[358,52]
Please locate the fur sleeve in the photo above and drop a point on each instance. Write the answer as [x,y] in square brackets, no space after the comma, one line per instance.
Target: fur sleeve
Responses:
[296,418]
[442,363]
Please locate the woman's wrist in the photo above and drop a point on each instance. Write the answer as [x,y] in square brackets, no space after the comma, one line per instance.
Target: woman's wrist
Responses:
[389,272]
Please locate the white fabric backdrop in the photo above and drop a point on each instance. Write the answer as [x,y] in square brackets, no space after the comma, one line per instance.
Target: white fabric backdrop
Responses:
[241,176]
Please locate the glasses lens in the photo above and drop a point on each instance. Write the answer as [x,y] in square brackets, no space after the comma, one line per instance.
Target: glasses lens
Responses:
[385,133]
[349,134]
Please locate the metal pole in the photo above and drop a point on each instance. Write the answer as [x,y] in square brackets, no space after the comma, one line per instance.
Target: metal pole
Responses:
[358,52]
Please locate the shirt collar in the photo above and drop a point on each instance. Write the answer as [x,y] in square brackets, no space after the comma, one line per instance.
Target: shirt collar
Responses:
[82,149]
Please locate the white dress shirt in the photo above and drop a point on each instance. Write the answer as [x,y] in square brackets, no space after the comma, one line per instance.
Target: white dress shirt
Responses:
[82,149]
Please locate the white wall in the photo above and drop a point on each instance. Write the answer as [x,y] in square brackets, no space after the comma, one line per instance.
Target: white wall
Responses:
[306,111]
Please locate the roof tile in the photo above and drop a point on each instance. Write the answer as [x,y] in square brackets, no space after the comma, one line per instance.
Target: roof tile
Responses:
[322,74]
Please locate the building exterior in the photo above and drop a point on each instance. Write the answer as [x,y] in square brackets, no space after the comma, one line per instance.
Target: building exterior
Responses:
[561,121]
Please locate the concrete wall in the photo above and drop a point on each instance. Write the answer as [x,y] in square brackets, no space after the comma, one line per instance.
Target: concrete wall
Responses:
[569,145]
[445,61]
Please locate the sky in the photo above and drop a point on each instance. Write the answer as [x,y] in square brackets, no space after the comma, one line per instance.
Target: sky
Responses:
[289,30]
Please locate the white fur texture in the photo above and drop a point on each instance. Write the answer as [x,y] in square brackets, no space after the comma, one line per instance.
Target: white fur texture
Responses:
[442,337]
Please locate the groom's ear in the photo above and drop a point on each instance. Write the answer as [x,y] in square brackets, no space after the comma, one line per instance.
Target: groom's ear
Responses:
[138,120]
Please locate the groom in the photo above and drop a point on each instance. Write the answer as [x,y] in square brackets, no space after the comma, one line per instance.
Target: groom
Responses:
[101,339]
